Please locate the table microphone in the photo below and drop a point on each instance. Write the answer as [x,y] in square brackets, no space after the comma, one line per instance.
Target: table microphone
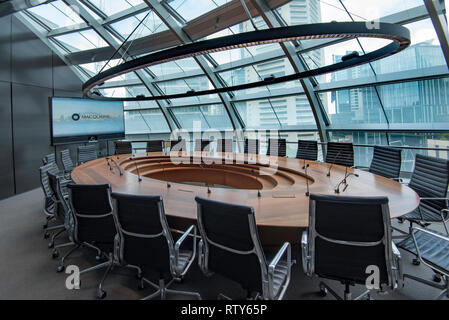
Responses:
[207,184]
[337,189]
[165,176]
[307,179]
[118,167]
[258,191]
[109,165]
[332,164]
[137,168]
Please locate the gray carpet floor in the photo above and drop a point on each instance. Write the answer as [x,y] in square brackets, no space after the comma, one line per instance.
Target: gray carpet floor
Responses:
[27,270]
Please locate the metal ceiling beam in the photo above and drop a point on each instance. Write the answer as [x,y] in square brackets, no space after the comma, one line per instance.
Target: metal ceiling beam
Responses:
[436,10]
[99,28]
[177,29]
[299,66]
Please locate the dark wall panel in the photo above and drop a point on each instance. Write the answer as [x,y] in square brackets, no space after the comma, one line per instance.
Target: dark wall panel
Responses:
[5,49]
[63,77]
[31,121]
[32,59]
[6,150]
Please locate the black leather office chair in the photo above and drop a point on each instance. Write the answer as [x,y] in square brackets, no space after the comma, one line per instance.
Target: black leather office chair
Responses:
[67,162]
[145,242]
[251,146]
[178,145]
[432,249]
[94,225]
[347,235]
[386,162]
[307,149]
[230,246]
[154,146]
[87,153]
[430,180]
[202,145]
[123,147]
[49,158]
[61,212]
[341,153]
[277,147]
[224,145]
[49,205]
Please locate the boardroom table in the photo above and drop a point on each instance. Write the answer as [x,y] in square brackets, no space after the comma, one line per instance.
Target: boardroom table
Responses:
[276,187]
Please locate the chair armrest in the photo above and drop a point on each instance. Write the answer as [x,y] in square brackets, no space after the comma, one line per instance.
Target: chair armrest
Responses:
[361,168]
[286,249]
[399,180]
[432,233]
[184,236]
[305,253]
[397,268]
[430,198]
[178,244]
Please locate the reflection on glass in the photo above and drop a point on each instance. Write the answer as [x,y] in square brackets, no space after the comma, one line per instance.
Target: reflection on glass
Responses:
[145,121]
[82,40]
[353,106]
[202,117]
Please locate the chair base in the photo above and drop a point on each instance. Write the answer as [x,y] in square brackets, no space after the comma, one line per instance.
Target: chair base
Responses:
[162,290]
[444,287]
[324,289]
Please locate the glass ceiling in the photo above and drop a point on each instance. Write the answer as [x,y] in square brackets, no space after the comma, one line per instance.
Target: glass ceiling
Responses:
[404,92]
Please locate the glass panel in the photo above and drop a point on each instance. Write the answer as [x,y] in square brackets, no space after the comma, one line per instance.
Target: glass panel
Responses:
[276,112]
[333,54]
[424,52]
[374,9]
[82,40]
[112,7]
[56,15]
[292,138]
[202,117]
[151,24]
[425,101]
[362,155]
[183,85]
[191,9]
[145,121]
[422,139]
[172,67]
[359,105]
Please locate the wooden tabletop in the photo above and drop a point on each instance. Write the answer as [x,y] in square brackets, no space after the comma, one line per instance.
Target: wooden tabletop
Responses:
[282,208]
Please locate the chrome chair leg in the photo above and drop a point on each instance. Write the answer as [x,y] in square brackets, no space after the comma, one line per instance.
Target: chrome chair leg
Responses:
[101,294]
[51,244]
[61,266]
[162,290]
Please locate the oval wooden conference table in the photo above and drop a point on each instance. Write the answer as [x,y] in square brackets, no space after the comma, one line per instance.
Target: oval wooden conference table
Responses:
[282,208]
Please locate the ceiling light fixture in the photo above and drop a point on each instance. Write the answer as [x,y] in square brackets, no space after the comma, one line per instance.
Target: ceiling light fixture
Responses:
[399,35]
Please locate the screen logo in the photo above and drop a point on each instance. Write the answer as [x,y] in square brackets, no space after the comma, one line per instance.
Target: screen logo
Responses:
[75,117]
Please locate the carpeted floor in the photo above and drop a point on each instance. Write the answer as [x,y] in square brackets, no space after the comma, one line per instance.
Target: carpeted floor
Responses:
[27,270]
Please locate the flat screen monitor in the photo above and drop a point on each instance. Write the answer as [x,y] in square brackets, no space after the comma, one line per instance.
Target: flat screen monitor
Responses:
[80,120]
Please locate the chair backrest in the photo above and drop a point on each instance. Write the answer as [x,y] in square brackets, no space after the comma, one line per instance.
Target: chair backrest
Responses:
[179,145]
[49,158]
[348,234]
[123,147]
[87,153]
[45,184]
[66,160]
[386,162]
[251,146]
[430,179]
[277,147]
[202,145]
[92,212]
[231,243]
[145,238]
[341,153]
[224,145]
[154,146]
[307,149]
[62,207]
